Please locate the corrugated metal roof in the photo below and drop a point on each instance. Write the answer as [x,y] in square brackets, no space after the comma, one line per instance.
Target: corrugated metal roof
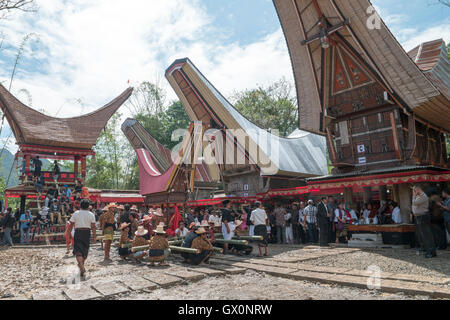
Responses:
[432,58]
[304,156]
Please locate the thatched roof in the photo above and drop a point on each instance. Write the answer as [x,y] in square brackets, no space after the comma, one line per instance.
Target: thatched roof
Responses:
[32,127]
[377,48]
[299,157]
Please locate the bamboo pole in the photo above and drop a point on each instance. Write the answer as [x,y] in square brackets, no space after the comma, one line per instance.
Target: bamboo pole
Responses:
[242,242]
[219,250]
[185,250]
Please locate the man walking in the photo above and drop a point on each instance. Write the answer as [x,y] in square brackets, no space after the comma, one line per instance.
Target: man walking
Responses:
[323,217]
[83,221]
[310,214]
[420,210]
[7,222]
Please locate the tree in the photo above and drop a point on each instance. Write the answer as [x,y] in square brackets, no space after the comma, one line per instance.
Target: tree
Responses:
[6,6]
[270,108]
[106,171]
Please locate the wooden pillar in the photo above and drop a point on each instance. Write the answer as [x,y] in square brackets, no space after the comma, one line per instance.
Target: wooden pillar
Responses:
[367,194]
[395,195]
[348,196]
[27,164]
[75,167]
[383,193]
[22,204]
[405,199]
[83,168]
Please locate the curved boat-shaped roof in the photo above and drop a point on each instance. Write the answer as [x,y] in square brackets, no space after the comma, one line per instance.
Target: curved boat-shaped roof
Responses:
[32,127]
[432,58]
[347,22]
[299,157]
[156,163]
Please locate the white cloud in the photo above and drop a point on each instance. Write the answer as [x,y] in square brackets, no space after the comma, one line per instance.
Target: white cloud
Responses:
[88,50]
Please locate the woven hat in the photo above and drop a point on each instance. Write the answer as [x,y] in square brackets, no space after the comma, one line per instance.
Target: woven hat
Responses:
[160,228]
[200,230]
[204,224]
[141,231]
[237,223]
[158,212]
[121,207]
[124,226]
[134,208]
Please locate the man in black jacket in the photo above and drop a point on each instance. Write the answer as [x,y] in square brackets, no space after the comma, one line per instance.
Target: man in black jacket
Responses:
[323,217]
[7,223]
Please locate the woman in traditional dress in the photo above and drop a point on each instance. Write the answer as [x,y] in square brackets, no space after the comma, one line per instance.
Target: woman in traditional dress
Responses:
[107,224]
[202,244]
[339,222]
[158,247]
[140,241]
[124,253]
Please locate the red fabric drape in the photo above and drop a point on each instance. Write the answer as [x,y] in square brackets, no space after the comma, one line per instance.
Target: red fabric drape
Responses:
[175,220]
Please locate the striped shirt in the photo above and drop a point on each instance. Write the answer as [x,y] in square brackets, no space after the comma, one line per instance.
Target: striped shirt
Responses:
[311,214]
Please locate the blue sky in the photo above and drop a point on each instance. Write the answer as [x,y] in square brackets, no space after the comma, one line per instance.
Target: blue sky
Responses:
[86,50]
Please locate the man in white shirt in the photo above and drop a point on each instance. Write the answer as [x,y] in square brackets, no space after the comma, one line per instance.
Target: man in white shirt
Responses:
[181,231]
[83,221]
[396,214]
[214,218]
[260,220]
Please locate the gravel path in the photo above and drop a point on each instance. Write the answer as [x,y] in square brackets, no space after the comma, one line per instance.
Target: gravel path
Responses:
[27,271]
[394,261]
[257,286]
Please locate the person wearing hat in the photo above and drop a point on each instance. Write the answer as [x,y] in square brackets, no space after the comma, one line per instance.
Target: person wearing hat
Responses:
[158,246]
[147,224]
[202,244]
[107,224]
[209,231]
[140,240]
[124,239]
[158,217]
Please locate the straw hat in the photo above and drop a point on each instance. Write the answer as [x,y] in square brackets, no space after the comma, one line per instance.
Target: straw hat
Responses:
[150,211]
[121,207]
[158,212]
[237,223]
[105,208]
[134,208]
[197,224]
[204,224]
[124,225]
[112,205]
[160,228]
[200,230]
[141,231]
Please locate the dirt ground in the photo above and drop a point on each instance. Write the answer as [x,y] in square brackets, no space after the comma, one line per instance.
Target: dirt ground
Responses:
[25,271]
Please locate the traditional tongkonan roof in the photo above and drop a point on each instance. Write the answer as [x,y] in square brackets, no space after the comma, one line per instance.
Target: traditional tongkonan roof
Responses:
[157,168]
[303,156]
[337,37]
[32,127]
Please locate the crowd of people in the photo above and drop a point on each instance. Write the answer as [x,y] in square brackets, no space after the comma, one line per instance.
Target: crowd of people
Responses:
[300,222]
